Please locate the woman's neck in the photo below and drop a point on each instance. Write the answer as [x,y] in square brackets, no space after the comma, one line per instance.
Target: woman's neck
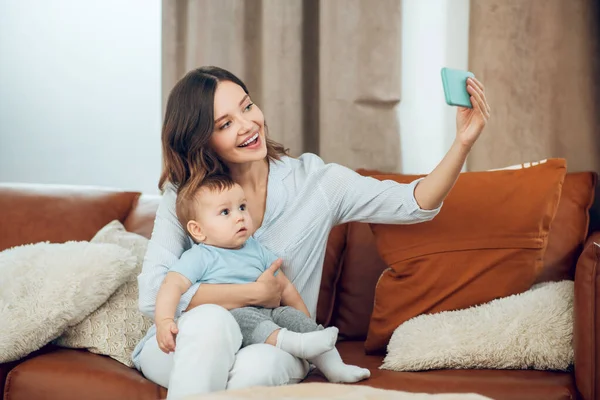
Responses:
[251,176]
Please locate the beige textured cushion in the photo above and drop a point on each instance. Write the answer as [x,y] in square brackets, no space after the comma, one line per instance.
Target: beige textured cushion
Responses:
[47,287]
[533,329]
[116,327]
[329,391]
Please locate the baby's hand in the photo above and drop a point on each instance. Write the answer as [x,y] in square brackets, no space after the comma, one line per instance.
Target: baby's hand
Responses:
[166,330]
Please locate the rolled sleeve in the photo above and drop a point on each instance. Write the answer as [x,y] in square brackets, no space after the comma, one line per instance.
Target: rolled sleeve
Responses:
[414,208]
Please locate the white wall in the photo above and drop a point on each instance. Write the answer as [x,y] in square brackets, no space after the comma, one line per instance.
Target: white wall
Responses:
[80,89]
[435,34]
[80,92]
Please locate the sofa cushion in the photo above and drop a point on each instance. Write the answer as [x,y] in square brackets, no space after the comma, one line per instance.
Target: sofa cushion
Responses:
[141,218]
[569,228]
[77,374]
[336,244]
[497,384]
[360,269]
[487,242]
[32,213]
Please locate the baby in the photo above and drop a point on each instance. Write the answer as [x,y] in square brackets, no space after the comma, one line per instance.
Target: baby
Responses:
[215,215]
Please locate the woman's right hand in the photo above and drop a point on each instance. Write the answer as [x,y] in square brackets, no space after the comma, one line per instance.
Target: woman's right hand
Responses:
[269,289]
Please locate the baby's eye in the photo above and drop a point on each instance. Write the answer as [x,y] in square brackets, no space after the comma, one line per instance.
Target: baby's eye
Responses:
[248,107]
[243,207]
[225,212]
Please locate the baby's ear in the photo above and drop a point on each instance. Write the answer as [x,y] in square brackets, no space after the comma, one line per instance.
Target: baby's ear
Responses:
[195,231]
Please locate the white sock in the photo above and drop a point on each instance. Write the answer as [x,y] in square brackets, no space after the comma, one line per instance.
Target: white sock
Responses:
[334,369]
[307,345]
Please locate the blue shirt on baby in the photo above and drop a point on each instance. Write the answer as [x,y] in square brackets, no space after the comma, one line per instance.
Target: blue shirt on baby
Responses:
[209,264]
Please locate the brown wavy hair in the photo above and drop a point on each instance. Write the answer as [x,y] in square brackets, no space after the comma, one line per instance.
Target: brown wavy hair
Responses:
[189,124]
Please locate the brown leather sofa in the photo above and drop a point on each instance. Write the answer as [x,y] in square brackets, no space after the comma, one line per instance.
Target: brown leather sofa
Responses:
[33,213]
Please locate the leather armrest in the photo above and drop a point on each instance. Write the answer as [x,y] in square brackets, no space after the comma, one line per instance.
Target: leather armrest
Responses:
[4,370]
[586,329]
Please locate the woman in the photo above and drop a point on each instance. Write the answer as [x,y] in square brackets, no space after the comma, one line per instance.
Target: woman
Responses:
[211,125]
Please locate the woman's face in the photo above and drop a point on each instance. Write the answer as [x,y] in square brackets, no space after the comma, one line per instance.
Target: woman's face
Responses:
[239,135]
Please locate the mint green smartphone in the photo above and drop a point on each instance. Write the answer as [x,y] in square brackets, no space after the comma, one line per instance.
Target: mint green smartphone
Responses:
[455,87]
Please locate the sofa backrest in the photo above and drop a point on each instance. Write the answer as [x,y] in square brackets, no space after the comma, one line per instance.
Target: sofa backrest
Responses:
[31,213]
[141,218]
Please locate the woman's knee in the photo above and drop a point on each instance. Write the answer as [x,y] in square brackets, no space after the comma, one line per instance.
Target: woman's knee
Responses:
[276,367]
[210,322]
[212,315]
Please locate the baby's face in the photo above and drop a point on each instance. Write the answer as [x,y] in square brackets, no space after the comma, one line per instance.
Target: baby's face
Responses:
[224,218]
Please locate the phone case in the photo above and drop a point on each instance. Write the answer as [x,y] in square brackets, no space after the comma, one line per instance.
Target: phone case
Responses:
[455,87]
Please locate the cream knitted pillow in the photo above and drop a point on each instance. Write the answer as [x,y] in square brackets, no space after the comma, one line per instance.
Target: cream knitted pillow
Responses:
[115,328]
[533,329]
[47,287]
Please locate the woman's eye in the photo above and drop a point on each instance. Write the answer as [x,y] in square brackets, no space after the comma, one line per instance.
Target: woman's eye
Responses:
[225,212]
[248,107]
[225,125]
[243,207]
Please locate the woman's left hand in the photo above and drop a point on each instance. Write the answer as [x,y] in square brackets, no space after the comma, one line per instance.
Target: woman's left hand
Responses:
[471,121]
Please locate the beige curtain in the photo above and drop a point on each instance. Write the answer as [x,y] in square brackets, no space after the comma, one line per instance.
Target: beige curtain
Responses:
[539,61]
[325,73]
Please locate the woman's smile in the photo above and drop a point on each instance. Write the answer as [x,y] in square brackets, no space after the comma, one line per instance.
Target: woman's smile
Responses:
[252,142]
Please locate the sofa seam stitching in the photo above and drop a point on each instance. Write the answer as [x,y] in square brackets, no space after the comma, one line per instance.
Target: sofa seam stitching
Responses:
[593,320]
[7,385]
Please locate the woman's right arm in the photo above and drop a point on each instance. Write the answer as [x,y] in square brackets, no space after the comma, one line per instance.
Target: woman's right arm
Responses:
[168,241]
[265,292]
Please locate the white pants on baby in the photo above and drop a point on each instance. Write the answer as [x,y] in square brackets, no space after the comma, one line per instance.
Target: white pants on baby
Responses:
[208,357]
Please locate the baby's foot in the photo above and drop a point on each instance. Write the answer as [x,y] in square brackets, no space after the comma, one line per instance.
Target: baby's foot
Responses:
[346,374]
[336,371]
[307,345]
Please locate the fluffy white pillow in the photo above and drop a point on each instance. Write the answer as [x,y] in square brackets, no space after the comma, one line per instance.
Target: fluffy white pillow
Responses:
[47,287]
[533,329]
[117,326]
